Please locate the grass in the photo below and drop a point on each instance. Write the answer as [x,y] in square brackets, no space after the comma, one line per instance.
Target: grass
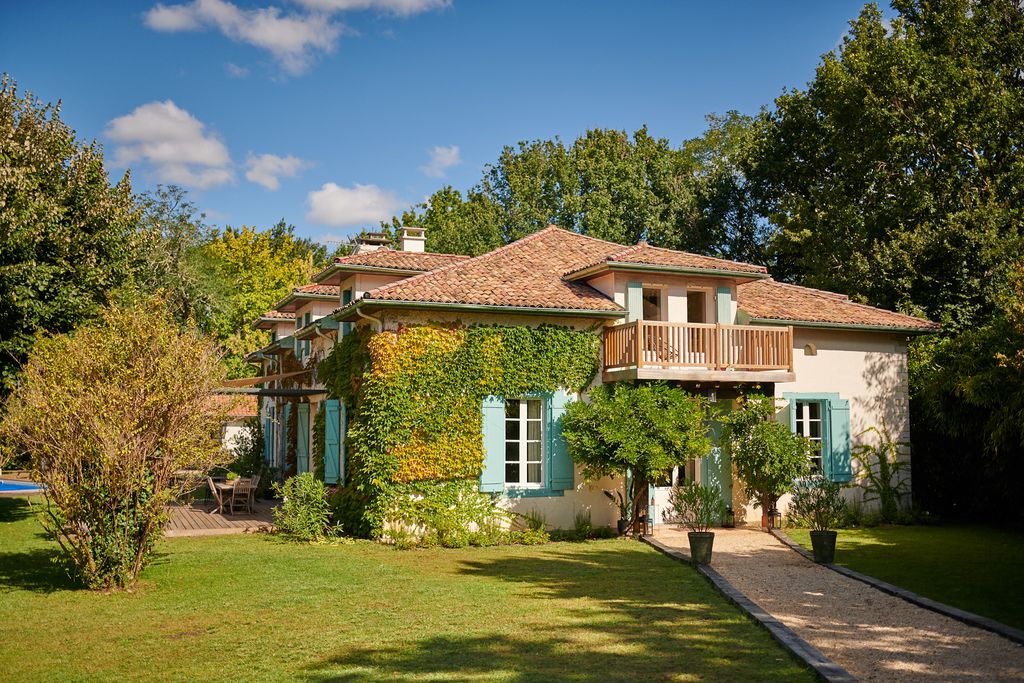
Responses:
[975,568]
[257,608]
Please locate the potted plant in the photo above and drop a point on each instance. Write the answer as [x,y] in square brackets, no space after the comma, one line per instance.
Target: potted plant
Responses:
[818,504]
[699,507]
[623,503]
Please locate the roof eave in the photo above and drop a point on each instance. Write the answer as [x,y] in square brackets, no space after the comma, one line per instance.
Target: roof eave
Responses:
[613,266]
[843,326]
[348,311]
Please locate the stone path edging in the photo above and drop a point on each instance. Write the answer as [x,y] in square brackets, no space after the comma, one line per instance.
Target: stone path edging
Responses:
[825,668]
[970,618]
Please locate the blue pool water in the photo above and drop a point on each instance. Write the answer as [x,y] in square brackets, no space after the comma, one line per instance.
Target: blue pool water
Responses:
[19,487]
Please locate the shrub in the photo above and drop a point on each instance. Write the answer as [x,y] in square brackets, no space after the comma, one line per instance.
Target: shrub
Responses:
[535,520]
[304,512]
[583,526]
[248,450]
[643,429]
[108,415]
[445,514]
[767,456]
[697,506]
[817,504]
[881,472]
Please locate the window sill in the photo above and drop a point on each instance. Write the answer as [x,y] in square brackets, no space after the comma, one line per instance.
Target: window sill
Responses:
[514,492]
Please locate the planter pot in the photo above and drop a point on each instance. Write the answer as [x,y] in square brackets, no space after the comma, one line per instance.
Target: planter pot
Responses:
[622,525]
[823,543]
[701,543]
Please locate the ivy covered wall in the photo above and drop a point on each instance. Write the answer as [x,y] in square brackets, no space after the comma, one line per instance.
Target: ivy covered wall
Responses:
[415,396]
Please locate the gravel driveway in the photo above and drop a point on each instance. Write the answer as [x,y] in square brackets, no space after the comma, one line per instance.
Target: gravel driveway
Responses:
[873,635]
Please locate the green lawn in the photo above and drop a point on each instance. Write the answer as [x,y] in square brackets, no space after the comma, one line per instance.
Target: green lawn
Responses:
[975,568]
[256,608]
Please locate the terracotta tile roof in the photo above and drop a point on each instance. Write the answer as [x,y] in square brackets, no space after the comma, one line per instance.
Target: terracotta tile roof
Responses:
[779,301]
[400,260]
[318,290]
[526,274]
[236,405]
[283,315]
[645,254]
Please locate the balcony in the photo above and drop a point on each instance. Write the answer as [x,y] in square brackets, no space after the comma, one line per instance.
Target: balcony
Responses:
[698,352]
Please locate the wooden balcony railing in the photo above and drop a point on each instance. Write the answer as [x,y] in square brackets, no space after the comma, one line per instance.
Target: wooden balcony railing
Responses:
[696,345]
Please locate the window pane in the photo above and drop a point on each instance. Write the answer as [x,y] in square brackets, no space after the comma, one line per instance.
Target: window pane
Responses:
[512,473]
[533,473]
[512,429]
[814,410]
[512,451]
[511,408]
[533,451]
[815,430]
[533,409]
[533,430]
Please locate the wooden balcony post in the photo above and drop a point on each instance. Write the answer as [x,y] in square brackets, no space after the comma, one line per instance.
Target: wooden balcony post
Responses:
[789,346]
[639,348]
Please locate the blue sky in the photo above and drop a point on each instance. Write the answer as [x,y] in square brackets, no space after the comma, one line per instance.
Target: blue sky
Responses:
[332,113]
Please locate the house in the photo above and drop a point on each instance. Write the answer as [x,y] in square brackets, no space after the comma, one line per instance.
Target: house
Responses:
[716,327]
[238,410]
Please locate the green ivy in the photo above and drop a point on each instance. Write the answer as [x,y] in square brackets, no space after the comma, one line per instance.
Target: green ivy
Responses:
[415,397]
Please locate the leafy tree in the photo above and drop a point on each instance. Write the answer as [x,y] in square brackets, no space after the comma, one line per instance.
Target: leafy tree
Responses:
[454,225]
[636,430]
[896,176]
[254,269]
[767,456]
[109,415]
[171,259]
[65,232]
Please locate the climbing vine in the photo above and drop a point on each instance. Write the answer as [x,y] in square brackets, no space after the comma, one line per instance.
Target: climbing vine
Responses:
[414,397]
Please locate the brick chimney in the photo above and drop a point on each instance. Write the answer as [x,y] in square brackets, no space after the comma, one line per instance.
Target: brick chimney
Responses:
[414,239]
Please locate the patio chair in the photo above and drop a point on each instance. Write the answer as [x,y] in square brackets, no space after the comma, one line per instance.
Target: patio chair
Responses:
[252,492]
[242,494]
[217,498]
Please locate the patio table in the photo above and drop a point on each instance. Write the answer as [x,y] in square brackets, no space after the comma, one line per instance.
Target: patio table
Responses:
[224,489]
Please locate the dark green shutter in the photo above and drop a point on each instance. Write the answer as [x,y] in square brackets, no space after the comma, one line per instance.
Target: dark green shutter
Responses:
[559,462]
[332,433]
[302,438]
[634,301]
[840,469]
[492,478]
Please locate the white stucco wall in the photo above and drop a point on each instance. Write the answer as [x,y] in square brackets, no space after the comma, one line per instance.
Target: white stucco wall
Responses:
[867,368]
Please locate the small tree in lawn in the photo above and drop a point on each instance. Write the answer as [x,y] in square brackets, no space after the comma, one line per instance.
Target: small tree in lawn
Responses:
[768,457]
[108,415]
[641,429]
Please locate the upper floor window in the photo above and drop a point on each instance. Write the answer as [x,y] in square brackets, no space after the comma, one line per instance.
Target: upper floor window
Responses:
[809,424]
[696,306]
[652,303]
[524,442]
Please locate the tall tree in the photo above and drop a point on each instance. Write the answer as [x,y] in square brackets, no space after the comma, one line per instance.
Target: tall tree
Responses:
[254,270]
[896,176]
[65,232]
[171,259]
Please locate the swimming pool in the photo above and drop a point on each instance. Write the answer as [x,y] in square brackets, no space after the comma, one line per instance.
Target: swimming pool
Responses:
[9,487]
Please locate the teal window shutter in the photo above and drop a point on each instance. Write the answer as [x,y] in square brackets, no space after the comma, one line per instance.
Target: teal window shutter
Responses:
[559,463]
[492,478]
[634,301]
[839,440]
[302,438]
[724,299]
[285,433]
[332,434]
[343,451]
[268,438]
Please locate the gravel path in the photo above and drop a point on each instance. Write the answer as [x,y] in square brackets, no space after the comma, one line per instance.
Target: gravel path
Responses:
[873,635]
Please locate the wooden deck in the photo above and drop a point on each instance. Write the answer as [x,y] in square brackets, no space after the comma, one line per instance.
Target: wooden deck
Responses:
[196,519]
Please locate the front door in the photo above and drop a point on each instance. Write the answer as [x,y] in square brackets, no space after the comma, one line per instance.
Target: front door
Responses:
[661,512]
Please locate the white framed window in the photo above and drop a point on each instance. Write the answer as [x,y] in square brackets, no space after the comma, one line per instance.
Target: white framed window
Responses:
[524,442]
[810,424]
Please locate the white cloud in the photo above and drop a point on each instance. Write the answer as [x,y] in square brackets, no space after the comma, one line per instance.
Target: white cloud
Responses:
[293,39]
[268,169]
[441,159]
[175,143]
[236,71]
[349,206]
[398,8]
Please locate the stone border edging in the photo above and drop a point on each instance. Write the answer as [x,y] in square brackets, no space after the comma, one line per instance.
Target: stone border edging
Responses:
[823,666]
[970,618]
